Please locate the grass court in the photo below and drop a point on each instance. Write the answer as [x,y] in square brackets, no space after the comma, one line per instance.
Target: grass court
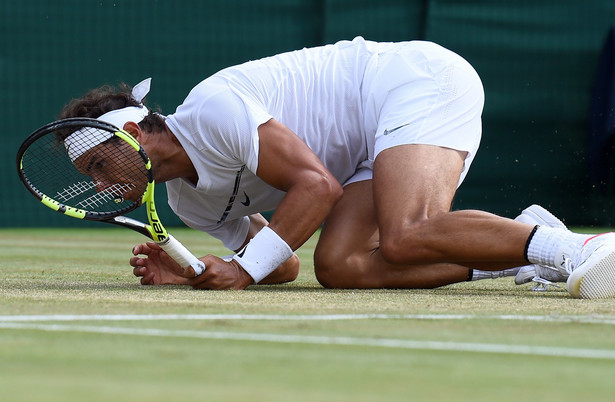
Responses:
[75,325]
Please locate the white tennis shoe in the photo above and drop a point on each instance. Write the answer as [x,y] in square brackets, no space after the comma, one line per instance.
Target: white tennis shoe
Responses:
[542,275]
[588,268]
[591,267]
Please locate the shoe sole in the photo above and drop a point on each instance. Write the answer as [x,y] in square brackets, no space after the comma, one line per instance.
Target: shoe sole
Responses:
[594,279]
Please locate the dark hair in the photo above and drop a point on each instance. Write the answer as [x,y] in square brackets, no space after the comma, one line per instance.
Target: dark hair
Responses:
[101,100]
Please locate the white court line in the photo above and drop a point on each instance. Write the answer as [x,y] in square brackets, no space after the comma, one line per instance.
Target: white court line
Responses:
[605,320]
[327,340]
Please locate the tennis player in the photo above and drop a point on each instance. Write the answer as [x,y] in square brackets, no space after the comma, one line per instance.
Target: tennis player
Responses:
[370,140]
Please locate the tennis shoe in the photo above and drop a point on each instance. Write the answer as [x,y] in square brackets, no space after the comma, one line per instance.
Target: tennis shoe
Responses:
[591,267]
[542,275]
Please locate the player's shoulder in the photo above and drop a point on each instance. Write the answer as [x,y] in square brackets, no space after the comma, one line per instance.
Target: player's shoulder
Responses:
[211,102]
[214,91]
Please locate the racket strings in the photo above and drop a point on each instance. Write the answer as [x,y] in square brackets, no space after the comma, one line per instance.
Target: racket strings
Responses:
[59,171]
[114,193]
[75,190]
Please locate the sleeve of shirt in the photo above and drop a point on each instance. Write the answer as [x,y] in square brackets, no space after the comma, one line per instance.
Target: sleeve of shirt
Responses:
[225,125]
[232,121]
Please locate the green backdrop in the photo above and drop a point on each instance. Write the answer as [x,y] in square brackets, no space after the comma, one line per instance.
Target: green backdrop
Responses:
[537,60]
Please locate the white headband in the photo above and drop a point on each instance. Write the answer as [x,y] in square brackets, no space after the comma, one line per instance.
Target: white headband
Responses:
[84,139]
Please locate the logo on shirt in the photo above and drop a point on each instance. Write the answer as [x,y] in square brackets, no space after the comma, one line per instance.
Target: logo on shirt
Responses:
[247,200]
[389,131]
[231,200]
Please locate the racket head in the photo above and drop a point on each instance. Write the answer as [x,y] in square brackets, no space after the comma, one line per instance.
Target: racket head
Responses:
[85,168]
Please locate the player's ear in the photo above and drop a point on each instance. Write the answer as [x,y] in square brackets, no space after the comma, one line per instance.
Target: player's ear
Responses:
[133,129]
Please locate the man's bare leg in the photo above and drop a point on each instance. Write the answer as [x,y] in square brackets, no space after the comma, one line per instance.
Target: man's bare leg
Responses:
[414,187]
[348,254]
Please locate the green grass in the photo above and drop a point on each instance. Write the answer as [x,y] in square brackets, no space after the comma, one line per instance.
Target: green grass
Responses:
[86,272]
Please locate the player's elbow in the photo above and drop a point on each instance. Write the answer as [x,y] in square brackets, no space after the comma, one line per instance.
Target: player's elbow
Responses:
[326,189]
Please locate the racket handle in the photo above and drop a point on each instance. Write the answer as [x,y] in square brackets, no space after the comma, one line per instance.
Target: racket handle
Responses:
[182,255]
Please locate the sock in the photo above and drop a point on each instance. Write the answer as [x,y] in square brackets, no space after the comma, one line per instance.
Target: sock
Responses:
[478,275]
[546,243]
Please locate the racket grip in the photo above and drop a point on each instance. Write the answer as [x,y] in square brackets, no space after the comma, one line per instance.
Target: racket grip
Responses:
[182,255]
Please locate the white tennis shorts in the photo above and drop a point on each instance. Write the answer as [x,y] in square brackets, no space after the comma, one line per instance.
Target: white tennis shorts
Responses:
[421,93]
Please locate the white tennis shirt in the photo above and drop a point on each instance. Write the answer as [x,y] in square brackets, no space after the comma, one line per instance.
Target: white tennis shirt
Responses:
[318,93]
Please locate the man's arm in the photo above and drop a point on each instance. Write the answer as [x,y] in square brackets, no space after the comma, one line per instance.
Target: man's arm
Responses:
[287,271]
[288,164]
[157,268]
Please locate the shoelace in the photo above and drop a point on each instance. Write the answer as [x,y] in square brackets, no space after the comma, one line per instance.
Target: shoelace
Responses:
[543,284]
[568,265]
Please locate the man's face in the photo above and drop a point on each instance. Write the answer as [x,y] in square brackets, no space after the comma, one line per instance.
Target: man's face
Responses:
[116,168]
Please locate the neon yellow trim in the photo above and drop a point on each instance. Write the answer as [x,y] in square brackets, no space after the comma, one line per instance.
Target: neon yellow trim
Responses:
[48,202]
[159,233]
[148,196]
[129,139]
[75,213]
[133,143]
[70,211]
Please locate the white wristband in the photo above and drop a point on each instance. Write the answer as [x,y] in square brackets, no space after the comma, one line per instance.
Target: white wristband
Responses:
[263,254]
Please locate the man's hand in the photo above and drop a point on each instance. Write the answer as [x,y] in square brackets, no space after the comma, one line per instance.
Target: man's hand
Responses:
[221,275]
[156,268]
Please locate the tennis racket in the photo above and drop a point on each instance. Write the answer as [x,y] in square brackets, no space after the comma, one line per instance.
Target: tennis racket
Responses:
[89,169]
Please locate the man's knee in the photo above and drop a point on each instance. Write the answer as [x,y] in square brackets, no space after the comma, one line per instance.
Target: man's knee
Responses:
[404,245]
[326,276]
[339,276]
[343,272]
[327,267]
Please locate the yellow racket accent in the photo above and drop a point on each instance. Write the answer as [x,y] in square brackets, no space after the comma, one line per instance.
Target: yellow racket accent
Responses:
[156,229]
[129,139]
[56,206]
